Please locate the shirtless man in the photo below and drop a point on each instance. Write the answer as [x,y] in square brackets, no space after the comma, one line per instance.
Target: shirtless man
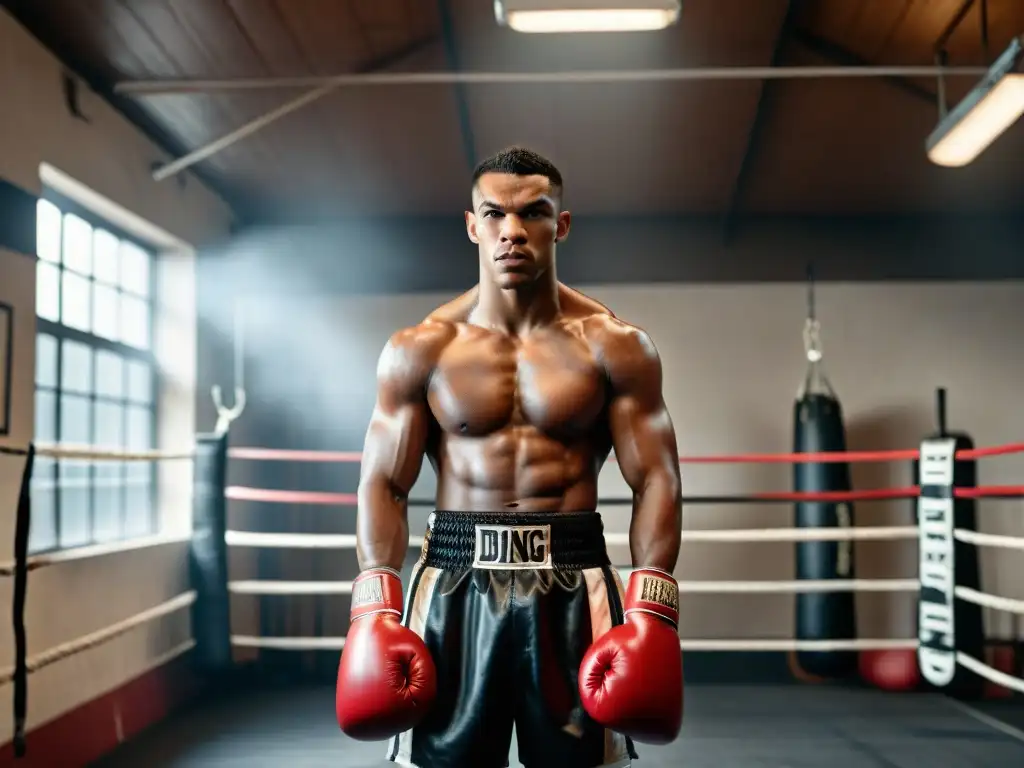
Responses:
[516,391]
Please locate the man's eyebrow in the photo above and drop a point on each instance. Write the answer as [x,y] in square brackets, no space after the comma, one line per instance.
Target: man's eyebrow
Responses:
[541,203]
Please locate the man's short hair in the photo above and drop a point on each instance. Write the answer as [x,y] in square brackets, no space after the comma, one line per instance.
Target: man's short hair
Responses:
[519,161]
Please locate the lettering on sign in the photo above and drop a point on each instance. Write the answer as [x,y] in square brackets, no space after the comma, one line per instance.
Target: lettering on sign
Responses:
[936,620]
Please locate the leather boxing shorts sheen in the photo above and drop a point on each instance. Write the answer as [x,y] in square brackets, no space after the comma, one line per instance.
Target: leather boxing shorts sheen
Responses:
[508,603]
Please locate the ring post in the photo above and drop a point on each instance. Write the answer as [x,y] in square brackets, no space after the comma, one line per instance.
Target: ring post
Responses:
[22,527]
[208,556]
[936,618]
[947,625]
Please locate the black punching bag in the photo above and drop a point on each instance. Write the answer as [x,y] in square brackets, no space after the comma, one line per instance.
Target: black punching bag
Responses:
[968,624]
[818,427]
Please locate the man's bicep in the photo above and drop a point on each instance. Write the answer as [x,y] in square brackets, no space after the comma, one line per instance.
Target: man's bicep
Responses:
[395,444]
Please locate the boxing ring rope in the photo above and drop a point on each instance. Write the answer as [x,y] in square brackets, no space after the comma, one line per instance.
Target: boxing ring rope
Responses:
[23,564]
[280,587]
[988,539]
[85,642]
[255,587]
[821,457]
[989,673]
[330,498]
[886,533]
[89,453]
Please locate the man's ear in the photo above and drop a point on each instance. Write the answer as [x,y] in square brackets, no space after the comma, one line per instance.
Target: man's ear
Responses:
[471,227]
[564,223]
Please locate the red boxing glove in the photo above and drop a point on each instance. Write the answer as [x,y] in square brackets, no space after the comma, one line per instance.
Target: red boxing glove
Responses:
[386,678]
[631,678]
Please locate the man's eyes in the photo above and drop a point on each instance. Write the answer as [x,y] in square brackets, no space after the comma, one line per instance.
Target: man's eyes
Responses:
[525,215]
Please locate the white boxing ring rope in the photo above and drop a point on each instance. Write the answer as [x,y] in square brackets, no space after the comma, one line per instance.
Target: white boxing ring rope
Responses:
[686,644]
[891,533]
[348,541]
[58,652]
[90,453]
[988,539]
[277,587]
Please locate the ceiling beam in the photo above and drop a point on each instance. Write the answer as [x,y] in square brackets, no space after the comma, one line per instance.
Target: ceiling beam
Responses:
[836,54]
[221,143]
[451,51]
[755,140]
[151,127]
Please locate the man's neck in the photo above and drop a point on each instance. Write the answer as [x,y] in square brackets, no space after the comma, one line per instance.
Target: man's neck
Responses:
[517,310]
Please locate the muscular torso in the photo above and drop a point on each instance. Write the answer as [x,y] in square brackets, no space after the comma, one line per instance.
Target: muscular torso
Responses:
[519,422]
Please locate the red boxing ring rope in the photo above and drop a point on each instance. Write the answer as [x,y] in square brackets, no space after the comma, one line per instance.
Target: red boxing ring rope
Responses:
[832,457]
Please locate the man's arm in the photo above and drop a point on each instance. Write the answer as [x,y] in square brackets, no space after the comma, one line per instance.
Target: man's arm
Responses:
[645,446]
[395,444]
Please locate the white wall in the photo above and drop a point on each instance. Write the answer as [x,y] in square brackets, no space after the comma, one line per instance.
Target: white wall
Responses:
[733,360]
[105,163]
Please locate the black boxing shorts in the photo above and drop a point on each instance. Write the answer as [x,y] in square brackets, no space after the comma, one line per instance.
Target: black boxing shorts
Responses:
[508,603]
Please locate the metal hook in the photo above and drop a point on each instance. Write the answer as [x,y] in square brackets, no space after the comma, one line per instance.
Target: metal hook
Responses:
[226,414]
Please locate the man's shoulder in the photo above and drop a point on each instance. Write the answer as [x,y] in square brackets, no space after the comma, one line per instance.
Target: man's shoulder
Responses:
[624,350]
[615,336]
[423,340]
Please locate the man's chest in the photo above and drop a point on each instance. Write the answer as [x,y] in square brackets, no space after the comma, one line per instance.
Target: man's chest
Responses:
[549,380]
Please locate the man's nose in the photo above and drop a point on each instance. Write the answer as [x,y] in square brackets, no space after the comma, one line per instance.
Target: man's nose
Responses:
[512,229]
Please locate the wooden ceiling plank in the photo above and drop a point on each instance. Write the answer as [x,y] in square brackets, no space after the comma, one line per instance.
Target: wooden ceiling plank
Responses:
[215,25]
[755,136]
[383,13]
[835,53]
[271,37]
[167,26]
[273,40]
[451,49]
[325,32]
[831,20]
[878,27]
[216,32]
[359,25]
[204,115]
[888,48]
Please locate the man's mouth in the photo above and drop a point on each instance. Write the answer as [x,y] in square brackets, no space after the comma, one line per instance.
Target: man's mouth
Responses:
[512,257]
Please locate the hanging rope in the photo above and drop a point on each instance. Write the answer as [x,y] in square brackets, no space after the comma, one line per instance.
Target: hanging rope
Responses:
[815,382]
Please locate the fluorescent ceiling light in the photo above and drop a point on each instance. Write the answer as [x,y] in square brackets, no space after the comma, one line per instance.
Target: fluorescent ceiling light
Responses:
[546,16]
[985,113]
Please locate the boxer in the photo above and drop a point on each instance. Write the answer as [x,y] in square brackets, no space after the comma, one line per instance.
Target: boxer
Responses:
[516,392]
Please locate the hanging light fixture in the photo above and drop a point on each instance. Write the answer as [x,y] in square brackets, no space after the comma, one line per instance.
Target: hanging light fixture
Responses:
[985,113]
[548,16]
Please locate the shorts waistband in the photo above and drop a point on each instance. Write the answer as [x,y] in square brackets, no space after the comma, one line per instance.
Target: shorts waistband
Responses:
[515,540]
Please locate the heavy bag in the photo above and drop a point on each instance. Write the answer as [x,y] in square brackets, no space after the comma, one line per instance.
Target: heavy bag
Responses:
[818,427]
[968,624]
[208,557]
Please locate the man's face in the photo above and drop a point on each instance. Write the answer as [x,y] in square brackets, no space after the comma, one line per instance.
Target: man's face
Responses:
[516,223]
